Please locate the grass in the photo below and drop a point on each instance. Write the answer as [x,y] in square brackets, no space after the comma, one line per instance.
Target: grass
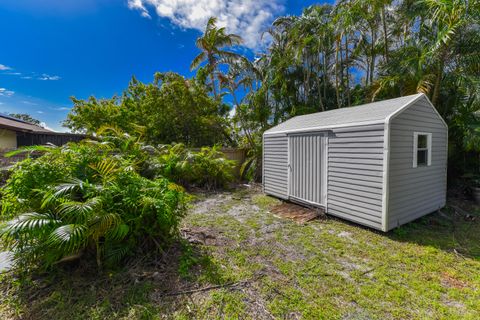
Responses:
[261,266]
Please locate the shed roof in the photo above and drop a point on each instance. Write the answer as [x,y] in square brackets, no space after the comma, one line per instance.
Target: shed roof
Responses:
[15,124]
[358,115]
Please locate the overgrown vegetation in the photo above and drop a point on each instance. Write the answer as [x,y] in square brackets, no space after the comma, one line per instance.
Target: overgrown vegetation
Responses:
[260,266]
[171,109]
[86,200]
[206,168]
[102,199]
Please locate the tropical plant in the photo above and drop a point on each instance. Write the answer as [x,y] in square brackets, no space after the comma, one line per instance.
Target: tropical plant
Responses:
[86,200]
[172,109]
[212,44]
[206,168]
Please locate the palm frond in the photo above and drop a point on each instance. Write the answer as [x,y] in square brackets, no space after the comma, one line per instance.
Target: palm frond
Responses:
[198,60]
[69,238]
[77,210]
[105,168]
[118,232]
[31,149]
[68,187]
[28,222]
[102,223]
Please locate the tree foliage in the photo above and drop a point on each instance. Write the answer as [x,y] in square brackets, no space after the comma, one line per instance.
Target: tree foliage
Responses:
[171,109]
[354,52]
[87,200]
[25,117]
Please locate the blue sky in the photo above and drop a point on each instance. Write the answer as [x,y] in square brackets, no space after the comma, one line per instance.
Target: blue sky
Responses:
[51,50]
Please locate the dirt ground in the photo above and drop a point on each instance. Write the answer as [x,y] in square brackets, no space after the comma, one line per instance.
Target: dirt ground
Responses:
[244,255]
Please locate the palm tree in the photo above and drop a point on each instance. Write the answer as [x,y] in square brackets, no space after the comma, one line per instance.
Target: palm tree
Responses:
[212,44]
[448,18]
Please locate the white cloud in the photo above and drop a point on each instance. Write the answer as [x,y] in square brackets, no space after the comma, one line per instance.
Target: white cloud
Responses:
[40,112]
[61,108]
[46,77]
[6,93]
[247,18]
[29,102]
[4,67]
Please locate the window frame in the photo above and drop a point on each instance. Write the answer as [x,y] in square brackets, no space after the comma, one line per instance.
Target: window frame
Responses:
[416,149]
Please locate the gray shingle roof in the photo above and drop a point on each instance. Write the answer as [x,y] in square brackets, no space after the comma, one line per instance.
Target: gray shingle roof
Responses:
[370,112]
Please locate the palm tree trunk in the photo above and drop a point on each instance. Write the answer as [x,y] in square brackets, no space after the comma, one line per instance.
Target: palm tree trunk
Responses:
[438,80]
[372,63]
[325,77]
[347,79]
[385,35]
[337,89]
[214,89]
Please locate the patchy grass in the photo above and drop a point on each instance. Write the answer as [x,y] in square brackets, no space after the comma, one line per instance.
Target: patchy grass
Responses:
[246,263]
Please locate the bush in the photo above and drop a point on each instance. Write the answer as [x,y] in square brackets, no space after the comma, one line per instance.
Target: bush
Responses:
[207,168]
[86,200]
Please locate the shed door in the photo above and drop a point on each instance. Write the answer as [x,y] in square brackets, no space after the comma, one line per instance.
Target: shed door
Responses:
[308,168]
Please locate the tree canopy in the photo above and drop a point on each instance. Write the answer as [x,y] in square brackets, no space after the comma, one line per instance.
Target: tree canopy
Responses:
[330,56]
[171,109]
[25,117]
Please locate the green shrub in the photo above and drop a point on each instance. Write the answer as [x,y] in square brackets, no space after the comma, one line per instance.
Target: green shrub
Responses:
[86,200]
[207,168]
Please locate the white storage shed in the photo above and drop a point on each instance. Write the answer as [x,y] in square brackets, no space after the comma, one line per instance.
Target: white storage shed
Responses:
[381,164]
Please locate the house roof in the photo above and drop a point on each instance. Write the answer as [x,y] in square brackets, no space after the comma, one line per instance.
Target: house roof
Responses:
[363,114]
[14,124]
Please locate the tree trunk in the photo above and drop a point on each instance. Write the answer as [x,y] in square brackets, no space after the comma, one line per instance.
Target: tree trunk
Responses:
[347,79]
[372,53]
[438,80]
[325,76]
[214,89]
[385,35]
[337,92]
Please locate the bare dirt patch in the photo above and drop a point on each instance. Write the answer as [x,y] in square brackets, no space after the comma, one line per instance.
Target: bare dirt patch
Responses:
[204,236]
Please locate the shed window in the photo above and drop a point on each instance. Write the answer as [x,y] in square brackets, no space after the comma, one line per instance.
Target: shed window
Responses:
[422,149]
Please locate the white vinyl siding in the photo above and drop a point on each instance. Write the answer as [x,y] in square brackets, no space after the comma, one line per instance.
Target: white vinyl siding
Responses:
[355,174]
[275,165]
[416,191]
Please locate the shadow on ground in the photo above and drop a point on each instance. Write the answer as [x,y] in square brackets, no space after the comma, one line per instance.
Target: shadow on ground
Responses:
[147,287]
[455,228]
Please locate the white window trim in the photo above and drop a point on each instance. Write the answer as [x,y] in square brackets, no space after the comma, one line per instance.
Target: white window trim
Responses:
[415,147]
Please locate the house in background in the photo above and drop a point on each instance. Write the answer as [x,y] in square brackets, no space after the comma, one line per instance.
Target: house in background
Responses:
[16,133]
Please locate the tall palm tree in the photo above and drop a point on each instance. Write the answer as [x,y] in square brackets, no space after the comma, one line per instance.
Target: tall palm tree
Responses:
[212,44]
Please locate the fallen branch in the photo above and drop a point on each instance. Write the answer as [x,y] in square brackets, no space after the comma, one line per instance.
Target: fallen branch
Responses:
[227,285]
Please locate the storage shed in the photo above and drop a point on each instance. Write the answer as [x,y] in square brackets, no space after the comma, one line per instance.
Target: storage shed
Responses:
[381,164]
